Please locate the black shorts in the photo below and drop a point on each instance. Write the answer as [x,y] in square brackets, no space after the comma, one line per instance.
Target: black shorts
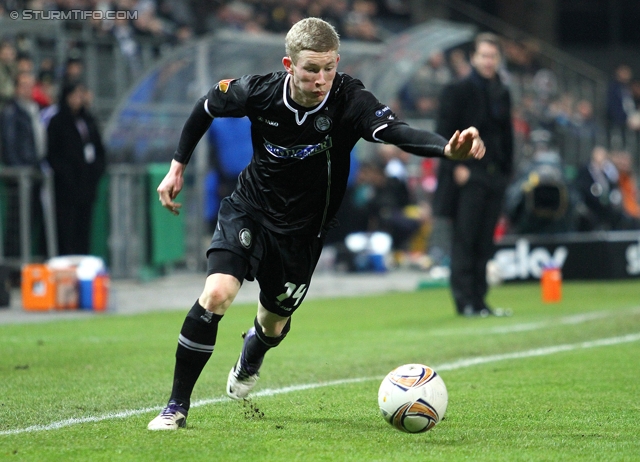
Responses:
[282,264]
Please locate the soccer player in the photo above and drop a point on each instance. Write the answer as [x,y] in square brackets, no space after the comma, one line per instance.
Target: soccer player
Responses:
[305,121]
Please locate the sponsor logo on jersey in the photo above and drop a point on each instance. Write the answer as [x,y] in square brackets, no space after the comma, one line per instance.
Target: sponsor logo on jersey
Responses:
[383,111]
[245,238]
[268,122]
[223,85]
[300,151]
[322,123]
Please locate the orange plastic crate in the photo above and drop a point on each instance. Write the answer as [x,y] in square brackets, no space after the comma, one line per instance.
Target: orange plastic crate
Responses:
[38,288]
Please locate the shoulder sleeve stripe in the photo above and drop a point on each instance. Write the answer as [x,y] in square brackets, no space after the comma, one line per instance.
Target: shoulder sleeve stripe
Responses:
[206,108]
[381,127]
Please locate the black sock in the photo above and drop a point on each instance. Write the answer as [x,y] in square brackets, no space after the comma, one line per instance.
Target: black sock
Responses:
[195,345]
[257,346]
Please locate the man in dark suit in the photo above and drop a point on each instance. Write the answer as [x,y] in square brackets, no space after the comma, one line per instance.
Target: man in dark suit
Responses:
[77,157]
[471,194]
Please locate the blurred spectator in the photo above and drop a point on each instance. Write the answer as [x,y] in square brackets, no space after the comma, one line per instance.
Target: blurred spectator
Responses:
[149,24]
[620,104]
[179,16]
[415,213]
[24,63]
[7,71]
[532,109]
[72,72]
[23,136]
[585,124]
[520,57]
[459,64]
[77,158]
[237,14]
[544,84]
[353,215]
[420,95]
[124,34]
[360,24]
[378,204]
[44,89]
[558,114]
[183,34]
[336,13]
[597,183]
[23,141]
[628,183]
[73,68]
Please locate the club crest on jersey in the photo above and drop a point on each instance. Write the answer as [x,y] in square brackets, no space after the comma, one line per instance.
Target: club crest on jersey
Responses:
[322,123]
[245,238]
[300,151]
[223,85]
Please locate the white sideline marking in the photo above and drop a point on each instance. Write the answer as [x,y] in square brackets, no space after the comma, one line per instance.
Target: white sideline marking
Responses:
[460,364]
[529,326]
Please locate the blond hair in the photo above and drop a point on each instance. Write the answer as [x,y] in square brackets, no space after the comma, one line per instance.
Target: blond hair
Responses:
[312,34]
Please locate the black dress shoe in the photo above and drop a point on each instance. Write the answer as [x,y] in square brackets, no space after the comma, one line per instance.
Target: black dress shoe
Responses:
[470,311]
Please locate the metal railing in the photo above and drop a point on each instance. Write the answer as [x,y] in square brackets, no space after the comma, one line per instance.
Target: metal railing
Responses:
[128,236]
[26,199]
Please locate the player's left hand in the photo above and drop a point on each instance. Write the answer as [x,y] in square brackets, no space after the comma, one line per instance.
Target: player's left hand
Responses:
[465,145]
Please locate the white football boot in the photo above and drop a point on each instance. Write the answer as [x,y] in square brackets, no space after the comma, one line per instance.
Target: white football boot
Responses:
[172,417]
[240,382]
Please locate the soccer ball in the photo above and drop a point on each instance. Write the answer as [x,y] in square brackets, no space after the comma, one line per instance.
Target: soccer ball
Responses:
[413,398]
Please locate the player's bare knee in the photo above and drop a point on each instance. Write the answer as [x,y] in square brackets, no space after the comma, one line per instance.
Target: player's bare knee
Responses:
[215,299]
[219,292]
[272,324]
[273,330]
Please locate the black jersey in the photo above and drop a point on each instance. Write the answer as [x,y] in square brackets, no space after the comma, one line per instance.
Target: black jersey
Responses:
[297,177]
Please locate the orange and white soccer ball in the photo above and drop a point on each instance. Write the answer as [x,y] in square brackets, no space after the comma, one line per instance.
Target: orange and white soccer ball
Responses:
[413,398]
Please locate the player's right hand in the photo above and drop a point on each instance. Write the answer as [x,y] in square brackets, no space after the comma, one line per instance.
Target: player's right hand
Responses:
[170,187]
[465,145]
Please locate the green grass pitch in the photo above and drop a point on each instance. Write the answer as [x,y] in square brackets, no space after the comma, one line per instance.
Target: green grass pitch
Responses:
[554,382]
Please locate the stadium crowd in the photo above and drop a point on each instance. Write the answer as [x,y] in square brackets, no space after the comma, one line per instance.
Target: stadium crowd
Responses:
[176,21]
[390,192]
